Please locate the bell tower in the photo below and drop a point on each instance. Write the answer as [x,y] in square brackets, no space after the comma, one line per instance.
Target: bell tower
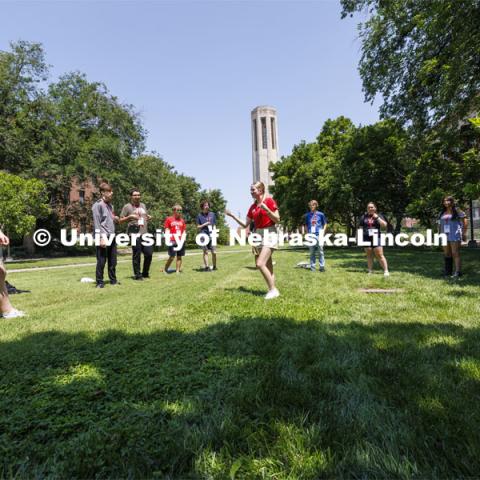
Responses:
[264,143]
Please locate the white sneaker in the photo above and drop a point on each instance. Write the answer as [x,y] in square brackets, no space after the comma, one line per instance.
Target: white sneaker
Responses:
[386,274]
[370,272]
[274,293]
[13,314]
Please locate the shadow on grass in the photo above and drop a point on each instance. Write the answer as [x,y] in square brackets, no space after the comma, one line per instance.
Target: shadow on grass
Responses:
[251,291]
[285,399]
[423,262]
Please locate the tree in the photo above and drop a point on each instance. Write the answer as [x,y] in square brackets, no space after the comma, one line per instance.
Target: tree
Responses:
[447,162]
[346,168]
[375,165]
[21,203]
[421,57]
[313,171]
[21,102]
[162,187]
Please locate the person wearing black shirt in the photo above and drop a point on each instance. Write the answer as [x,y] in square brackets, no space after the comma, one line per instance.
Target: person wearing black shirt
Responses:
[371,223]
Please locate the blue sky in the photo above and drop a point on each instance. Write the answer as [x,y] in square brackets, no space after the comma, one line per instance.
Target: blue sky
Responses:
[195,70]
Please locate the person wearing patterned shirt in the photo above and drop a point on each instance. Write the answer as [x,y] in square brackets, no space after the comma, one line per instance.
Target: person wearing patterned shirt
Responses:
[453,223]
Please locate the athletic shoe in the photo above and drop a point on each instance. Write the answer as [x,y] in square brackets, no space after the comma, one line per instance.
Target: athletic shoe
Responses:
[13,314]
[274,293]
[100,285]
[145,275]
[115,283]
[457,275]
[312,269]
[386,273]
[138,278]
[206,269]
[322,269]
[214,269]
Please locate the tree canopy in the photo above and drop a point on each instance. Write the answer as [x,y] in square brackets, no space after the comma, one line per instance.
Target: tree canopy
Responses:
[420,57]
[75,128]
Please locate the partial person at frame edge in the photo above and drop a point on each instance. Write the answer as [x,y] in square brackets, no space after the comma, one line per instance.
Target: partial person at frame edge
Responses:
[6,308]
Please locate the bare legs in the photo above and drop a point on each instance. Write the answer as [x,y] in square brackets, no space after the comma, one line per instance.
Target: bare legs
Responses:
[264,264]
[378,253]
[169,262]
[205,259]
[5,305]
[452,251]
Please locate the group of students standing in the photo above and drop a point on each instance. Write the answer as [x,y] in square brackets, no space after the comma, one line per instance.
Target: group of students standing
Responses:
[135,214]
[262,217]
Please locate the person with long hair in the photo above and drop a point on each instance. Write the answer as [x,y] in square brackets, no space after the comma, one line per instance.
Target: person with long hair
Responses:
[371,223]
[265,215]
[453,223]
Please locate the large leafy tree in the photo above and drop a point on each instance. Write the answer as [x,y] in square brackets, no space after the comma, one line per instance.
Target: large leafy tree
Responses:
[76,129]
[311,172]
[22,202]
[375,165]
[346,168]
[93,135]
[22,69]
[421,57]
[447,163]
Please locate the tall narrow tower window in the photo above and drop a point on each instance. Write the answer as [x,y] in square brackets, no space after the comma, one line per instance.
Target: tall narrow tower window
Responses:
[272,128]
[255,135]
[264,132]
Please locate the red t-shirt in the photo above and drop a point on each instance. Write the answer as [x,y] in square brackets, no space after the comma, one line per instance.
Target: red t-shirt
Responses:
[176,226]
[259,215]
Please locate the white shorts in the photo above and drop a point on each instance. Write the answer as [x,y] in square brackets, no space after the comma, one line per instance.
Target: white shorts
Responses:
[271,240]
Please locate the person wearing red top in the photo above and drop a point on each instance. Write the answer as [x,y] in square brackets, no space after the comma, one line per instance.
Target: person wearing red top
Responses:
[264,214]
[175,226]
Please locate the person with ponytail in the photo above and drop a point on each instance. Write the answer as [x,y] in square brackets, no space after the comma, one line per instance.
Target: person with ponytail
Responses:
[264,214]
[453,223]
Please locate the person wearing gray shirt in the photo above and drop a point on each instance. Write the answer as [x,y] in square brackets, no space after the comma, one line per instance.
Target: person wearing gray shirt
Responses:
[135,213]
[104,220]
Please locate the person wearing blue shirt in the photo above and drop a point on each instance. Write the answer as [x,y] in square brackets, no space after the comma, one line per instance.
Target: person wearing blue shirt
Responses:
[315,222]
[206,221]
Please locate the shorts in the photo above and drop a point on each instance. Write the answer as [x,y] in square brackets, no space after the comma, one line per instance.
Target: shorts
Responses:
[176,253]
[271,243]
[210,247]
[372,242]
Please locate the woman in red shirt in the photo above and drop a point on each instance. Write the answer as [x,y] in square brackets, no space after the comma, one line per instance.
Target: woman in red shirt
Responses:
[264,213]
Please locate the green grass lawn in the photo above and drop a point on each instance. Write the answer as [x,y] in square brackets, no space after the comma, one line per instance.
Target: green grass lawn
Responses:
[197,376]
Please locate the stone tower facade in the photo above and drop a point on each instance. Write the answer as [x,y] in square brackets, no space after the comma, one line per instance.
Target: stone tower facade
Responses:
[264,143]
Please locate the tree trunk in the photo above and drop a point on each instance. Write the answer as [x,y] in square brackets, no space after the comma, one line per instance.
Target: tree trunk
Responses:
[398,224]
[29,245]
